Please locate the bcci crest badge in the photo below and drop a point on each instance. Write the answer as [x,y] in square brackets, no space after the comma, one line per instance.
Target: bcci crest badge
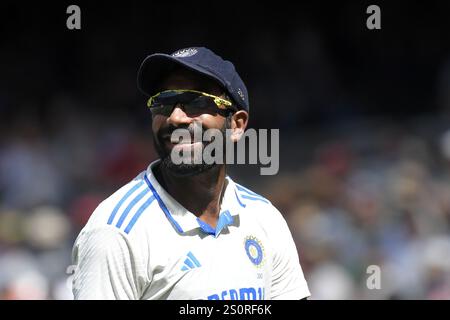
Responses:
[254,250]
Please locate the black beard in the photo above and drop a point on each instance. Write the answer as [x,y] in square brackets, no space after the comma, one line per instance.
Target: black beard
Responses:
[184,169]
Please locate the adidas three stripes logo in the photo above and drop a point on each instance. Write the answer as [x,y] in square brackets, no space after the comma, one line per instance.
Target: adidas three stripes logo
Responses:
[191,262]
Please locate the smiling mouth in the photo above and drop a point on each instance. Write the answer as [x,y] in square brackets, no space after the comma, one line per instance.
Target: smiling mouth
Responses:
[181,144]
[168,139]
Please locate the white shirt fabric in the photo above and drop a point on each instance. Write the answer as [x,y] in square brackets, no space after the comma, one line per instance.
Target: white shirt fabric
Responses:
[140,243]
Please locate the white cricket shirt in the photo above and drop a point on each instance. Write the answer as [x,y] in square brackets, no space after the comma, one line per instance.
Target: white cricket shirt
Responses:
[140,243]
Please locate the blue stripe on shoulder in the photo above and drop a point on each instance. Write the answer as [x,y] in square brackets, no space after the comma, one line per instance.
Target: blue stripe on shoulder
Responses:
[138,214]
[124,198]
[254,198]
[248,194]
[130,206]
[239,200]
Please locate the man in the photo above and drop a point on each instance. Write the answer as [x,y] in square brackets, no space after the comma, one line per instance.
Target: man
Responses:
[187,230]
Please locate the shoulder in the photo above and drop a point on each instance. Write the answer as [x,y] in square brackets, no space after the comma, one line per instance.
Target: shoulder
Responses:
[249,196]
[124,208]
[257,205]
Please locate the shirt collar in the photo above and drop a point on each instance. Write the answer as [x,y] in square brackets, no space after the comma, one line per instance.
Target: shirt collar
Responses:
[182,219]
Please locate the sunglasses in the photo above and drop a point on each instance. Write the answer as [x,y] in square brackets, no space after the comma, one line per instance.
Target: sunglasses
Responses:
[193,102]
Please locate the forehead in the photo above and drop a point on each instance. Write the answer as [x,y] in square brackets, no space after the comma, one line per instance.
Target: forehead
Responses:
[180,78]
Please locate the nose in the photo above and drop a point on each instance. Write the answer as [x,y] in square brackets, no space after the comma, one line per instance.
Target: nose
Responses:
[178,116]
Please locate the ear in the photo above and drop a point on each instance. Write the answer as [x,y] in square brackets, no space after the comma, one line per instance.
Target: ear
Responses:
[238,125]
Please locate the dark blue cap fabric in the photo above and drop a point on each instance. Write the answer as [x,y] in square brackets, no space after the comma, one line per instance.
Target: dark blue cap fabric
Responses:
[197,59]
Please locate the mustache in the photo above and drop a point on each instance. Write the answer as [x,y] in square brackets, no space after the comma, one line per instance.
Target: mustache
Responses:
[167,131]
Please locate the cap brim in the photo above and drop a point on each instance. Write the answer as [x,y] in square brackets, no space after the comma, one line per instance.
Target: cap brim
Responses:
[156,65]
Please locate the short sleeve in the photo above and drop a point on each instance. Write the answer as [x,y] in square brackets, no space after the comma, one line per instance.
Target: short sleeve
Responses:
[288,280]
[106,267]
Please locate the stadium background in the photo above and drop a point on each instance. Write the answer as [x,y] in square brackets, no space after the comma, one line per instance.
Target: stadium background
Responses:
[363,118]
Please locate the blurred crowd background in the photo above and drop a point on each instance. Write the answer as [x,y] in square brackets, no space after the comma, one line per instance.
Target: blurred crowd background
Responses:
[363,116]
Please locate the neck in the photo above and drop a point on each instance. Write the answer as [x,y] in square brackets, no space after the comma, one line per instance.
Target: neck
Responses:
[200,194]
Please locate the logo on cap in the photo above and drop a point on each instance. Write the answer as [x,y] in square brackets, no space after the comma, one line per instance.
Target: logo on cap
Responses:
[241,94]
[185,53]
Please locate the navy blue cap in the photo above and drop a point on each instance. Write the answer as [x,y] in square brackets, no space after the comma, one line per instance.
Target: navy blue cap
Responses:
[197,59]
